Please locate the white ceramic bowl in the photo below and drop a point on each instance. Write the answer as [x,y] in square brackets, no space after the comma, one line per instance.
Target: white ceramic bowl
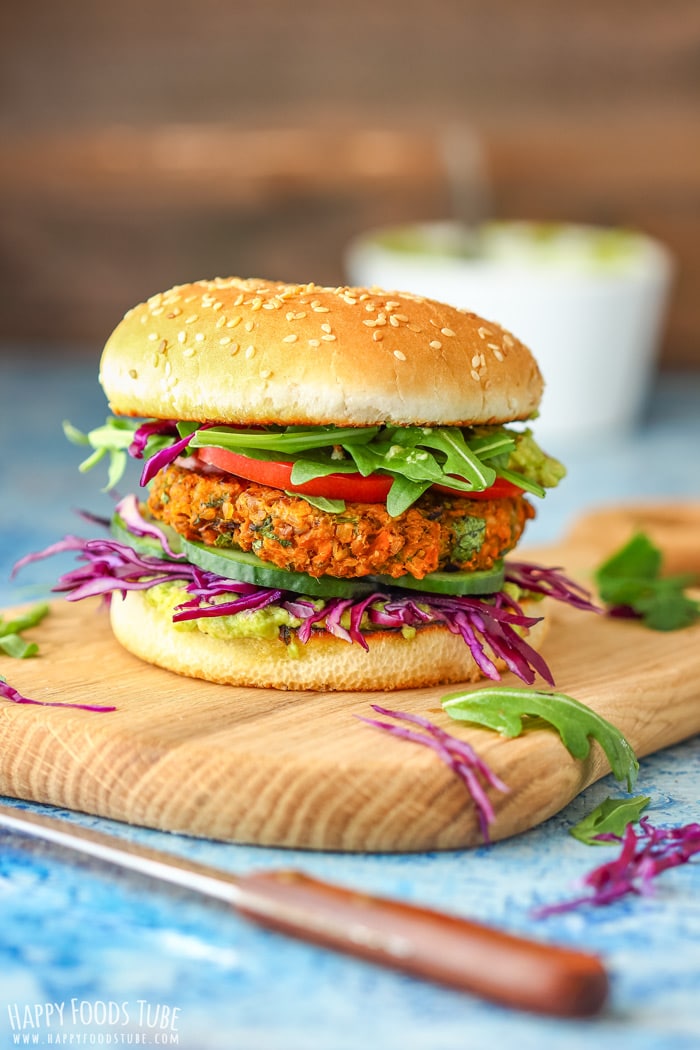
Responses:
[589,302]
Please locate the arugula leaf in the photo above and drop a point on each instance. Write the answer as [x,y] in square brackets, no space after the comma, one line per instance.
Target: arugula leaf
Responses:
[289,441]
[112,439]
[11,641]
[611,817]
[630,581]
[502,708]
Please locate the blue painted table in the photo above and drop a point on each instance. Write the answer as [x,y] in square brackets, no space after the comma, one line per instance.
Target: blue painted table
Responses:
[91,957]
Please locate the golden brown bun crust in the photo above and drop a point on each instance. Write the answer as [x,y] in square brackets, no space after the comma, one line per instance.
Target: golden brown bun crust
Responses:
[253,351]
[434,656]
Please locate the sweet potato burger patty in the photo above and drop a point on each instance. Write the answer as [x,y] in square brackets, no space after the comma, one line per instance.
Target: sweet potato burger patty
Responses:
[438,531]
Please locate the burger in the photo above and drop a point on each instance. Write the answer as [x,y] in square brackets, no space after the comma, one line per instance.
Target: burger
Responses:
[332,478]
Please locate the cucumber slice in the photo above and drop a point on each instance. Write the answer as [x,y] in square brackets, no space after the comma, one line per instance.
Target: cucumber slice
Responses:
[246,567]
[483,581]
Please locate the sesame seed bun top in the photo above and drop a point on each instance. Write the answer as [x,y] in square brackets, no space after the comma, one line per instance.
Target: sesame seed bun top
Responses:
[254,351]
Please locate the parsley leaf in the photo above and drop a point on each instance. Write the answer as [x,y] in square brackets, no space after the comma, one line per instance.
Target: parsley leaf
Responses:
[630,583]
[503,709]
[611,817]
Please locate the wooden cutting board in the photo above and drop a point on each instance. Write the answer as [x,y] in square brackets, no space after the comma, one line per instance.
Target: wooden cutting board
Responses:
[299,769]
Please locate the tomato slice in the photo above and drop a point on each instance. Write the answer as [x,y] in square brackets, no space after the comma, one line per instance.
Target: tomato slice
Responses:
[353,487]
[499,490]
[277,473]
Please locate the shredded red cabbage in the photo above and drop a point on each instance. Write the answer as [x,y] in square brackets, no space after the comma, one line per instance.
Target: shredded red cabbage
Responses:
[130,513]
[490,627]
[455,753]
[156,427]
[162,459]
[8,692]
[165,456]
[551,582]
[643,856]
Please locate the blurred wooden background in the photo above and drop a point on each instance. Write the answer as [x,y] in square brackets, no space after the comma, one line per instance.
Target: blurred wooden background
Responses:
[145,142]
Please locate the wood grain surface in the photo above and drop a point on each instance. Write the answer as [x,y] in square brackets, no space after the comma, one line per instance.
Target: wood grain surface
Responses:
[299,769]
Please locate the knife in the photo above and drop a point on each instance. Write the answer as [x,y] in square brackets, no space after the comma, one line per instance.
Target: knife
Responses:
[504,968]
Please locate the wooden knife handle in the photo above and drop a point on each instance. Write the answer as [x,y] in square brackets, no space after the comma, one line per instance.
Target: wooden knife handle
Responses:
[507,969]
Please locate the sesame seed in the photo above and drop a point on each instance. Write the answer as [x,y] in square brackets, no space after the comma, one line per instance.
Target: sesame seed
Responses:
[349,300]
[476,359]
[189,299]
[447,331]
[326,328]
[299,316]
[290,315]
[234,348]
[400,354]
[221,321]
[328,338]
[393,321]
[314,342]
[413,327]
[144,318]
[377,335]
[256,304]
[484,333]
[401,317]
[181,337]
[156,360]
[498,355]
[249,352]
[434,323]
[200,337]
[175,312]
[290,338]
[238,300]
[249,326]
[157,311]
[493,346]
[189,351]
[191,318]
[133,373]
[435,344]
[168,368]
[508,340]
[475,375]
[217,306]
[163,346]
[225,340]
[153,336]
[391,304]
[265,373]
[370,308]
[234,321]
[320,309]
[369,322]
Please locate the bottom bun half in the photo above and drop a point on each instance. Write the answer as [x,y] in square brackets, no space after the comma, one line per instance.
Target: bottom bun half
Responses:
[434,656]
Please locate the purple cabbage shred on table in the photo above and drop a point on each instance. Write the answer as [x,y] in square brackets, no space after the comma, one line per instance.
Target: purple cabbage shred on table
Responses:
[457,754]
[643,856]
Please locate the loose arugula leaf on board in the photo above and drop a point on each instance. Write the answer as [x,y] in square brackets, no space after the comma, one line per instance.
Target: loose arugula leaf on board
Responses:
[503,709]
[611,817]
[630,583]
